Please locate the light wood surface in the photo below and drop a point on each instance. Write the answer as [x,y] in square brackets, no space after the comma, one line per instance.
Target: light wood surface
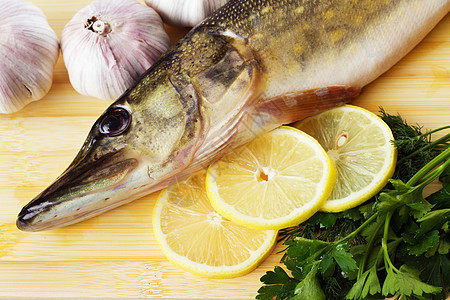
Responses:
[116,255]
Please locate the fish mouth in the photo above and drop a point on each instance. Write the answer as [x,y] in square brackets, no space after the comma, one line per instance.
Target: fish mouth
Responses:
[82,191]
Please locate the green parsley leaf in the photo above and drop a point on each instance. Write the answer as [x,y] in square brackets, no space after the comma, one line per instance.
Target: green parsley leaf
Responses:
[406,281]
[372,285]
[367,284]
[404,194]
[299,249]
[327,265]
[356,291]
[371,254]
[433,220]
[419,209]
[277,277]
[444,247]
[371,228]
[445,270]
[278,285]
[366,210]
[392,199]
[323,219]
[425,243]
[437,268]
[441,198]
[309,288]
[306,250]
[344,258]
[356,213]
[355,254]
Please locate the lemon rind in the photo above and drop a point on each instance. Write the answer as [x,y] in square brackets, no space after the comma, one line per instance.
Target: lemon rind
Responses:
[382,177]
[205,270]
[296,216]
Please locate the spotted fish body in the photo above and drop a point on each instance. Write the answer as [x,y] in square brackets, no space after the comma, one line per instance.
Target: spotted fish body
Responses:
[250,67]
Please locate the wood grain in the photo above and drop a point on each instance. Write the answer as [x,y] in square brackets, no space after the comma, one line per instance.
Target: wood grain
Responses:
[115,255]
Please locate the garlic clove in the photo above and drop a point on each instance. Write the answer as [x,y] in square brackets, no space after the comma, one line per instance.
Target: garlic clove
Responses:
[109,44]
[185,13]
[29,49]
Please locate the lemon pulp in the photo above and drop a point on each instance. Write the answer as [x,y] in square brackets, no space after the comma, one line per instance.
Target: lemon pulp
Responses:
[278,180]
[359,143]
[199,240]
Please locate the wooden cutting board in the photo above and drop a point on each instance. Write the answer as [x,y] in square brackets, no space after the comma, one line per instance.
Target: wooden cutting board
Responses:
[115,255]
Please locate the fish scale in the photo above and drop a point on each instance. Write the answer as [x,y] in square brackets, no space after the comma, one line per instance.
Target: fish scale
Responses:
[250,67]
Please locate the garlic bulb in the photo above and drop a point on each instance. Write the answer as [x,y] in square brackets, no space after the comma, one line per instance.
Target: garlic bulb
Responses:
[109,44]
[29,50]
[185,12]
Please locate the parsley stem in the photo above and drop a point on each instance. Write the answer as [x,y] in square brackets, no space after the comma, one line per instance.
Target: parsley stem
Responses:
[428,167]
[430,177]
[379,254]
[384,241]
[362,265]
[359,229]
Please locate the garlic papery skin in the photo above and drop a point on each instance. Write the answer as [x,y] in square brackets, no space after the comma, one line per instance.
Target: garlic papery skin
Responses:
[185,13]
[29,49]
[109,44]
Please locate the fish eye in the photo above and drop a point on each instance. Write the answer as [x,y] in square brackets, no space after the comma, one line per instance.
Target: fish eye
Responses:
[115,122]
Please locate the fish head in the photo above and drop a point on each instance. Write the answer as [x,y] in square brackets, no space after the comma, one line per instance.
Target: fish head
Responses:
[173,122]
[136,146]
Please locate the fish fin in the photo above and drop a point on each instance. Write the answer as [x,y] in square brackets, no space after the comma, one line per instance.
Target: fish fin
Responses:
[226,90]
[295,106]
[269,113]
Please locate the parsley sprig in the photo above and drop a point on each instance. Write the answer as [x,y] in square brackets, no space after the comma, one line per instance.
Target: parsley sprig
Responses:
[395,245]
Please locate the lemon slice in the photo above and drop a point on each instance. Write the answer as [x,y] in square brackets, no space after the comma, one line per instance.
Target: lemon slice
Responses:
[358,141]
[278,180]
[196,238]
